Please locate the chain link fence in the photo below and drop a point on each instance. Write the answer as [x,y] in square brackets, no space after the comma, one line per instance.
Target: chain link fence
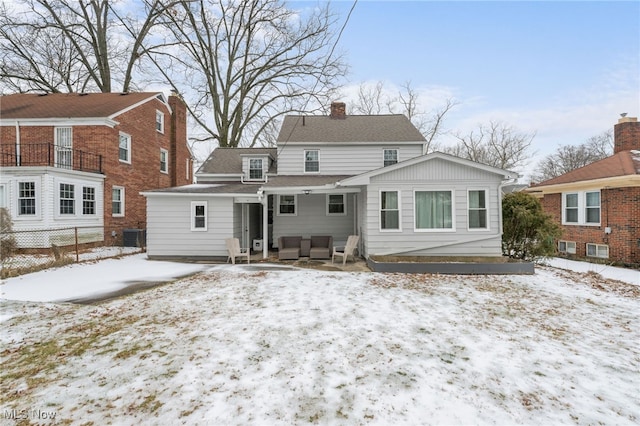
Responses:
[26,251]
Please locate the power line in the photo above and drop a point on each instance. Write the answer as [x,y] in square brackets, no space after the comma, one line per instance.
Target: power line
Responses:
[326,63]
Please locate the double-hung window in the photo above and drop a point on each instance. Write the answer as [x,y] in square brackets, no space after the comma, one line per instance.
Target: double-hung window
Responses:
[434,210]
[88,200]
[390,157]
[581,208]
[286,205]
[198,215]
[336,205]
[311,161]
[26,198]
[164,160]
[477,200]
[255,169]
[389,211]
[67,199]
[159,122]
[117,201]
[124,148]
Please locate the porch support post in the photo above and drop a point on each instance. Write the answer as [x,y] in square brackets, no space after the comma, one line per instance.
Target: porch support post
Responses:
[265,226]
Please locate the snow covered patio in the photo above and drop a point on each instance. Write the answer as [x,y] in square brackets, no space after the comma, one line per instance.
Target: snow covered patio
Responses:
[232,345]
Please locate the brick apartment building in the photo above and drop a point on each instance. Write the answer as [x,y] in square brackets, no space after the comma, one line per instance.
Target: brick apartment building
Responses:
[81,160]
[598,205]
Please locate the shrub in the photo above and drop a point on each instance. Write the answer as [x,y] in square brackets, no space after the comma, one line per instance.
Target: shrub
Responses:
[7,239]
[528,232]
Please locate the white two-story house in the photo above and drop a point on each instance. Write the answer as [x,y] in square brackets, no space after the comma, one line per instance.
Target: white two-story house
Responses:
[334,175]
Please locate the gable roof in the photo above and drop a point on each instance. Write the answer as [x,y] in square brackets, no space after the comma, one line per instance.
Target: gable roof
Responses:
[364,178]
[625,163]
[353,128]
[71,105]
[229,160]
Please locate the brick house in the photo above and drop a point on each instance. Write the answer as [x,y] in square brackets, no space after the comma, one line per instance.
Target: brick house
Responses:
[82,160]
[598,205]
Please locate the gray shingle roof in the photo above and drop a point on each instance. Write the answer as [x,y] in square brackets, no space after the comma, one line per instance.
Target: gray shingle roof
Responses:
[353,128]
[229,160]
[303,180]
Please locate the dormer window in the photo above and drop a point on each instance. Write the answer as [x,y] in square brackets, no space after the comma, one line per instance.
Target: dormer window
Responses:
[255,169]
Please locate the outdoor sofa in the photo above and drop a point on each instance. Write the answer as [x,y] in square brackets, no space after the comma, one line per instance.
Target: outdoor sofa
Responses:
[316,247]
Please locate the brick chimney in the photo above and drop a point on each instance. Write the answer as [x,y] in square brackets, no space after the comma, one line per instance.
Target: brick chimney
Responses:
[179,168]
[338,110]
[626,135]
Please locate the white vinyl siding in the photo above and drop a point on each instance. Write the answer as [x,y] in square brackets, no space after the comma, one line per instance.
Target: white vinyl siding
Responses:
[340,159]
[169,222]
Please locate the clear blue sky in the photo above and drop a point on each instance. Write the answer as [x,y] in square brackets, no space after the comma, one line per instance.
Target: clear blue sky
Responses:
[565,69]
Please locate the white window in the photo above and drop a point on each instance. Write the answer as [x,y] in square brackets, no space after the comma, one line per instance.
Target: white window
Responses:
[287,205]
[336,205]
[568,247]
[164,158]
[3,199]
[67,199]
[592,207]
[571,208]
[255,169]
[390,156]
[312,161]
[160,121]
[581,208]
[117,201]
[390,211]
[26,198]
[198,215]
[88,200]
[598,250]
[477,214]
[64,147]
[124,148]
[434,210]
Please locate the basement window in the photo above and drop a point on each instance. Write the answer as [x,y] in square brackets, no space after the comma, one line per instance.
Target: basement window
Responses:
[567,247]
[598,250]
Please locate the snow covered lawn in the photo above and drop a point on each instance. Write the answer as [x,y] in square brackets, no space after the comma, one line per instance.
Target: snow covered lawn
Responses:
[231,346]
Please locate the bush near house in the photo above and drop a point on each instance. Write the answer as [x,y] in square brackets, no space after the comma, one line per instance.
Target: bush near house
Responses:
[528,232]
[7,240]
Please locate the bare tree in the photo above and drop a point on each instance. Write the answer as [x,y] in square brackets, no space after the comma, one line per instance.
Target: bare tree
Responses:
[72,45]
[496,144]
[242,65]
[376,100]
[570,157]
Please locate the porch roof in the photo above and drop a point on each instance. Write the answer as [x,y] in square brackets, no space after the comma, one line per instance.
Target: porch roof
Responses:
[209,188]
[303,181]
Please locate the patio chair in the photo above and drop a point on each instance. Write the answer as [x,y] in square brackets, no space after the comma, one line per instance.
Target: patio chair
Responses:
[347,251]
[233,247]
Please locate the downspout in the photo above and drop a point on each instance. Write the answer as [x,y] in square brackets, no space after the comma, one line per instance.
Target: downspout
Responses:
[264,199]
[18,161]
